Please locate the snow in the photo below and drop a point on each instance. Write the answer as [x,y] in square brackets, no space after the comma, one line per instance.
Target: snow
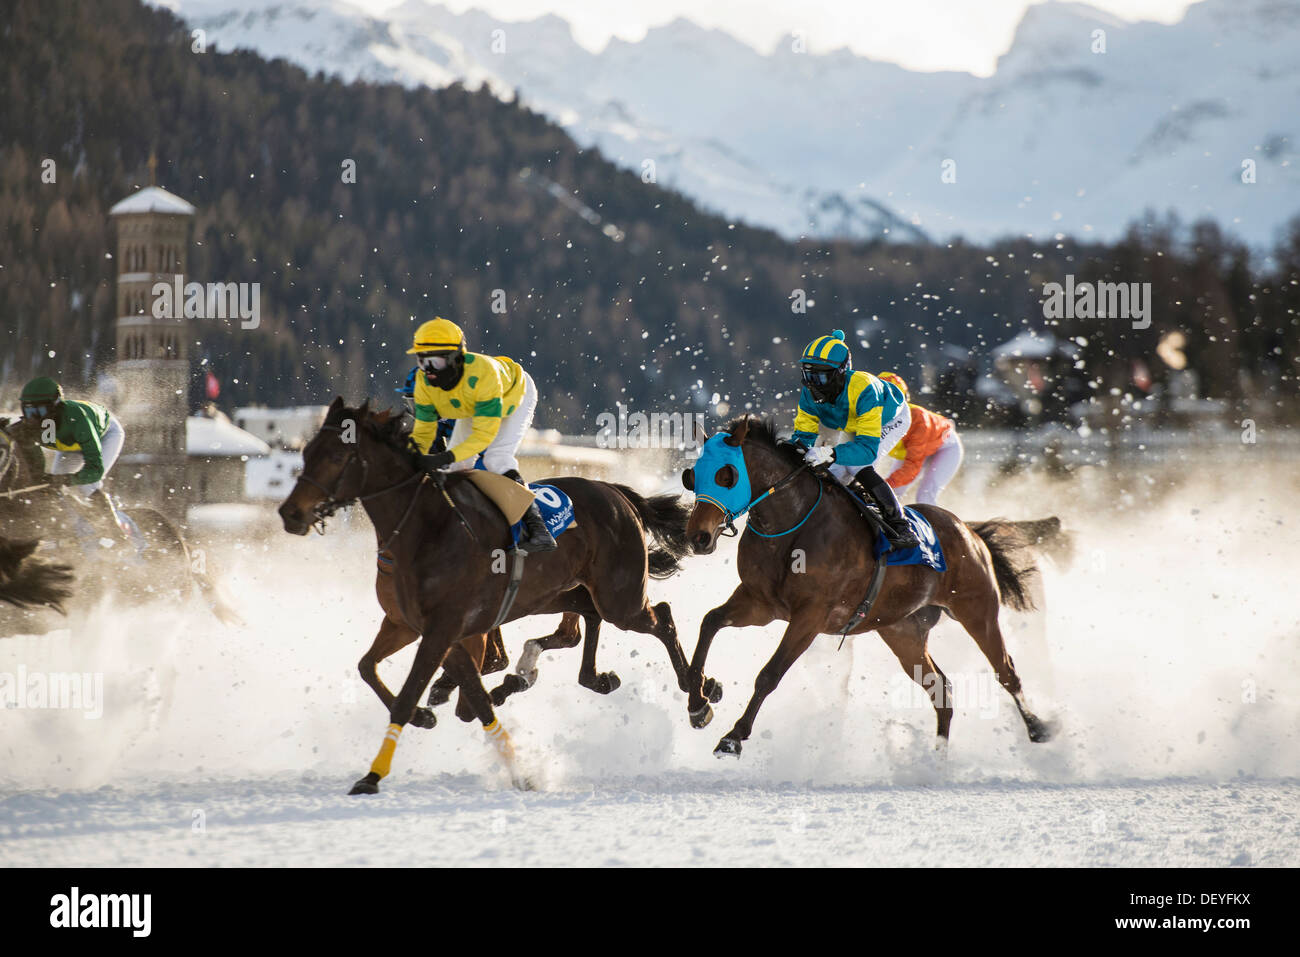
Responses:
[216,435]
[1169,654]
[1061,139]
[152,199]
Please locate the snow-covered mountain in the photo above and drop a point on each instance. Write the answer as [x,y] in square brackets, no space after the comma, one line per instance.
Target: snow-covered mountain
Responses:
[1060,138]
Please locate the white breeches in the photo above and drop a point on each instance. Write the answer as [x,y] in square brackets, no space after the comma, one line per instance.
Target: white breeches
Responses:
[499,456]
[891,433]
[937,471]
[66,463]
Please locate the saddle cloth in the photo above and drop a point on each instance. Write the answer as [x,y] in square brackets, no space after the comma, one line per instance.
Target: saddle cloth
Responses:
[929,552]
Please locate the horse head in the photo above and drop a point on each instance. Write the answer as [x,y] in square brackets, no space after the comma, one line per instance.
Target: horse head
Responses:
[732,465]
[352,446]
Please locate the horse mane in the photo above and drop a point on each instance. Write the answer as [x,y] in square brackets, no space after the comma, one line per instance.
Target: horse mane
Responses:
[763,431]
[380,424]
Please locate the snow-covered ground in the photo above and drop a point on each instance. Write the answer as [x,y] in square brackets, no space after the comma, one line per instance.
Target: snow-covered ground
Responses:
[1169,653]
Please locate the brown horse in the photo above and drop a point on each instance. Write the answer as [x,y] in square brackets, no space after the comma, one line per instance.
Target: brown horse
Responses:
[157,565]
[806,558]
[27,582]
[441,532]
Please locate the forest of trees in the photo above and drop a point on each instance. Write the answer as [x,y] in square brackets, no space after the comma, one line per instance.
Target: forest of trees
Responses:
[455,197]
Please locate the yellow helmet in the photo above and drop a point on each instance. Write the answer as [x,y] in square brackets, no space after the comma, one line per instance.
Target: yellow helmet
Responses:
[897,380]
[437,335]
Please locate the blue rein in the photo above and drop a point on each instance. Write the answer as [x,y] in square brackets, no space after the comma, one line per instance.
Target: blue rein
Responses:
[732,516]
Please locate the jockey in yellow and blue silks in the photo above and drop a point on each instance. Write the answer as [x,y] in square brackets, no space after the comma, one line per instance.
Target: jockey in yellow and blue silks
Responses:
[491,399]
[849,421]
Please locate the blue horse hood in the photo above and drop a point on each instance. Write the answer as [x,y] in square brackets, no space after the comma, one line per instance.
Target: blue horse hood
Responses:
[715,455]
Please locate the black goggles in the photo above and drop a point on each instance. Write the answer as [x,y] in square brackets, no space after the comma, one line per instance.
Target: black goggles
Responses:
[820,376]
[435,361]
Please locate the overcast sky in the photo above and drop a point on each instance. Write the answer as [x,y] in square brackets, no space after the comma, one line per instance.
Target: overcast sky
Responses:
[918,34]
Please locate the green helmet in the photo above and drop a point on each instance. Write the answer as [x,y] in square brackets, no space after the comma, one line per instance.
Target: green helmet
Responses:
[41,397]
[43,389]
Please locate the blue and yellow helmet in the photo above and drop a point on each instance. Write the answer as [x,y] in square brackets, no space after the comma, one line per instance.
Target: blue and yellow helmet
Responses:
[829,350]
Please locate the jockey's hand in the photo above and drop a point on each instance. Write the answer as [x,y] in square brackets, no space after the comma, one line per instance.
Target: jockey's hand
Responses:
[819,455]
[436,461]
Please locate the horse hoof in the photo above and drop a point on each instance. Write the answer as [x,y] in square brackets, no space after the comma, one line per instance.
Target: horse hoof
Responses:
[606,682]
[367,785]
[701,718]
[712,690]
[727,748]
[1040,731]
[523,784]
[510,684]
[423,718]
[438,695]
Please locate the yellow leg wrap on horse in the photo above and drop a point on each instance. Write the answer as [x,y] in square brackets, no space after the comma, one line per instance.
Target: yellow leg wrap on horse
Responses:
[500,738]
[383,762]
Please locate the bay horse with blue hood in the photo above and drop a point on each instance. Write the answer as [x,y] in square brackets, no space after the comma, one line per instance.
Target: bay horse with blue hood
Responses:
[807,555]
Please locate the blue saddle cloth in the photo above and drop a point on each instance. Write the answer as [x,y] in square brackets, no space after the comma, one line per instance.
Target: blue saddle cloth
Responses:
[555,506]
[556,509]
[929,552]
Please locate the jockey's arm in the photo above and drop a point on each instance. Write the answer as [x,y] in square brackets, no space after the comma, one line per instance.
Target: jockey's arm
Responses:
[906,473]
[92,452]
[425,429]
[806,425]
[483,429]
[861,450]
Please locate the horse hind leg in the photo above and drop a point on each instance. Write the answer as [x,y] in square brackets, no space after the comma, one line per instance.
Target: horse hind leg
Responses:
[980,619]
[566,635]
[603,682]
[465,669]
[909,641]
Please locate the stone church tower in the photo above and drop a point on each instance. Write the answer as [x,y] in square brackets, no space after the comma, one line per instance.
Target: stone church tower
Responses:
[152,372]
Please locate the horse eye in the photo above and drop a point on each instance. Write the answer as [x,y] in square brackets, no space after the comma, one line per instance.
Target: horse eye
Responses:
[726,476]
[688,480]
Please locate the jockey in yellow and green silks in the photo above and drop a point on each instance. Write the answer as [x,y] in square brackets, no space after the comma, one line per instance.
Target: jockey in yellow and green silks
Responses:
[849,421]
[491,399]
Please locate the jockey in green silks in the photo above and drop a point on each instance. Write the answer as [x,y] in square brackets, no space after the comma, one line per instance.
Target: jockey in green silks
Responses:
[86,439]
[849,421]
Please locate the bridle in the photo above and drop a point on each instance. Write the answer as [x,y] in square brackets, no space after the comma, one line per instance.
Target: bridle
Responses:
[729,517]
[333,502]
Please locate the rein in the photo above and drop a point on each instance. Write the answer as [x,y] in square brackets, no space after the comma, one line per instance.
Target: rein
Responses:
[730,517]
[332,503]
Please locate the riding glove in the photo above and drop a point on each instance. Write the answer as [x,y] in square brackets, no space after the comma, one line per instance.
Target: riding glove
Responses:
[436,461]
[819,455]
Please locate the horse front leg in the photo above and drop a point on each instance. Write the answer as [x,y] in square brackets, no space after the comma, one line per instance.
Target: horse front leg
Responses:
[798,636]
[393,636]
[432,649]
[741,610]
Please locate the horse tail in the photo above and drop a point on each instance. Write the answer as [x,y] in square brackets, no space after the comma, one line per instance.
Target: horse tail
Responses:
[664,517]
[25,583]
[1048,537]
[1005,542]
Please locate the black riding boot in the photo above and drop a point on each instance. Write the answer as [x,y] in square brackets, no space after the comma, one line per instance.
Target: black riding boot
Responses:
[537,538]
[897,530]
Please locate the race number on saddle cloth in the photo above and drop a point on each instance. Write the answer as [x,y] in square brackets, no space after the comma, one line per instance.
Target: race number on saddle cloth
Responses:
[929,552]
[556,508]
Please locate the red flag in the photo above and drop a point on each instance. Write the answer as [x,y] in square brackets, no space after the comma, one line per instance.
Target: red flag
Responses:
[1141,375]
[211,387]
